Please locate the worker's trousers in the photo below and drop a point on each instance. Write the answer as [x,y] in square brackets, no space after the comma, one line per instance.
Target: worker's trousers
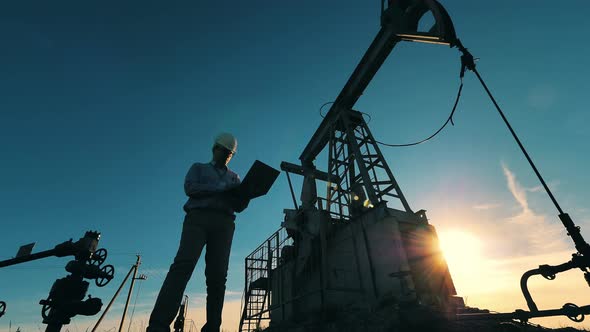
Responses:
[200,228]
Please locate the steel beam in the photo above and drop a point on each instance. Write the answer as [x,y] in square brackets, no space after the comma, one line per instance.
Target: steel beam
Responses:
[380,48]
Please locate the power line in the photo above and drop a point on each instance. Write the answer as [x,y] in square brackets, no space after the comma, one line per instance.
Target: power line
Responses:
[134,303]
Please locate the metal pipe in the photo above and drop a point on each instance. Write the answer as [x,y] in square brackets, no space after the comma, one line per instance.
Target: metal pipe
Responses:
[548,272]
[568,310]
[292,191]
[68,248]
[27,258]
[574,232]
[525,290]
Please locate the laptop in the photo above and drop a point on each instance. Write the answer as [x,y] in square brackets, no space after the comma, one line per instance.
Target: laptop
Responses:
[257,181]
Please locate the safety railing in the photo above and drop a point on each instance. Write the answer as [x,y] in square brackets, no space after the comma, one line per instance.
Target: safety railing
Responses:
[258,270]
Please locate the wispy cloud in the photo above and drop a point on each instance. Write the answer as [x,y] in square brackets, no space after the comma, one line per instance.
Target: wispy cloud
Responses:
[541,97]
[516,189]
[536,232]
[535,189]
[486,206]
[552,185]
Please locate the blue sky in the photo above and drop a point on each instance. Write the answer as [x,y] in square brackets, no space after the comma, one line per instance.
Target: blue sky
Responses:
[105,105]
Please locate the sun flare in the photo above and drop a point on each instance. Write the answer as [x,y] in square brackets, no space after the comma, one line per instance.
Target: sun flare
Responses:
[462,251]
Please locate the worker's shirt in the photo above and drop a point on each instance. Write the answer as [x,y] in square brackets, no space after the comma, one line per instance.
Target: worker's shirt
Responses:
[203,185]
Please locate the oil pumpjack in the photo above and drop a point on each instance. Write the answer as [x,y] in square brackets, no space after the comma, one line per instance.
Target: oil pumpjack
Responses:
[359,258]
[350,250]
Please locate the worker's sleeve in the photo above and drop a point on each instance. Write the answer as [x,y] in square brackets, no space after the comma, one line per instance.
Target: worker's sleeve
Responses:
[198,185]
[236,181]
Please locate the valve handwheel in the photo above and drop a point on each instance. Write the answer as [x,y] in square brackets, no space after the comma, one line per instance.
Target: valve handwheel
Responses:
[108,271]
[98,257]
[578,317]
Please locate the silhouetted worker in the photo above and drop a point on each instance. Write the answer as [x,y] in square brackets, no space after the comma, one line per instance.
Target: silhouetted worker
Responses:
[209,221]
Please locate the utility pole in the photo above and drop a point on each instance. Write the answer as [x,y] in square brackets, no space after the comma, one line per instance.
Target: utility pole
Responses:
[134,268]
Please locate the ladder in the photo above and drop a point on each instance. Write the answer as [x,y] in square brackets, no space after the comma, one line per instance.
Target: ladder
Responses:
[258,280]
[259,265]
[256,294]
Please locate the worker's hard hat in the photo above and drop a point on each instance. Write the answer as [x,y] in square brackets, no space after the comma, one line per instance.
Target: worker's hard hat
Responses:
[227,141]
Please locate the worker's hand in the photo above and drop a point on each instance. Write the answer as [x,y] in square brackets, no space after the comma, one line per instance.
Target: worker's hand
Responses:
[241,204]
[233,185]
[237,201]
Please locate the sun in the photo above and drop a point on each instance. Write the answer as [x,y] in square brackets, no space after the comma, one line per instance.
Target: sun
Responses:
[462,251]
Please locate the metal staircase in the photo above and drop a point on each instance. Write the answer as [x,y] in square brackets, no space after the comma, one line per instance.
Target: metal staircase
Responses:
[259,265]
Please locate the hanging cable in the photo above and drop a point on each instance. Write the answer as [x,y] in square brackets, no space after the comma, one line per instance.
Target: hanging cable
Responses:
[322,107]
[449,120]
[467,62]
[331,102]
[368,115]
